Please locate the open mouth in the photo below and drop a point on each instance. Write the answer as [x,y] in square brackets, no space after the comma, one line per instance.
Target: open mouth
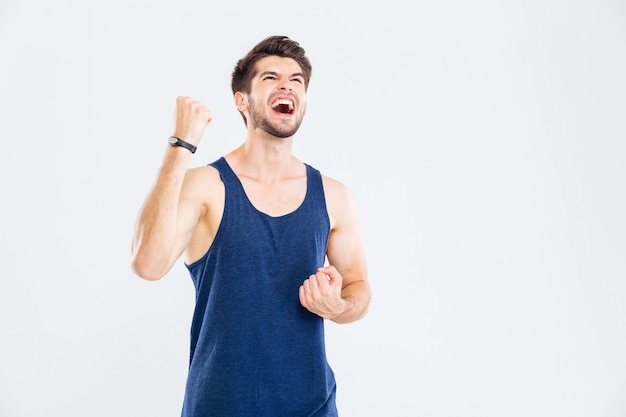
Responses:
[283,106]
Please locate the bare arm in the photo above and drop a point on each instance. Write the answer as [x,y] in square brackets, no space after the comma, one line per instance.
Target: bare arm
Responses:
[339,292]
[169,215]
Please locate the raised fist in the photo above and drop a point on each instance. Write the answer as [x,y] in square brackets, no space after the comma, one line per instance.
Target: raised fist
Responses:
[191,118]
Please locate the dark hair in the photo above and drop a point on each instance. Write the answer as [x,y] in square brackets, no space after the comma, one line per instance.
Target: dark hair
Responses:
[280,46]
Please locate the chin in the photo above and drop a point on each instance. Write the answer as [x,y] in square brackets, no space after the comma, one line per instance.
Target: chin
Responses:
[284,132]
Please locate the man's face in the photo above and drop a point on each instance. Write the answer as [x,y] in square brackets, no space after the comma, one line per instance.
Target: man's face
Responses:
[277,99]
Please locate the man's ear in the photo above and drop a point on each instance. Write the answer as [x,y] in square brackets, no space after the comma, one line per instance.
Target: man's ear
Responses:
[241,101]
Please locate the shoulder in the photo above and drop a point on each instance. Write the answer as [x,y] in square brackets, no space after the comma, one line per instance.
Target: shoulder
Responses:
[338,201]
[201,177]
[202,185]
[202,173]
[334,189]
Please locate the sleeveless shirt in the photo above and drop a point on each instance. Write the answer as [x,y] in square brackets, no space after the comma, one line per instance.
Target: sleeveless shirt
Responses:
[255,351]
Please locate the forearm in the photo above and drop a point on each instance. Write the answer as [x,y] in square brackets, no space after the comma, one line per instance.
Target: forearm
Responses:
[356,296]
[156,228]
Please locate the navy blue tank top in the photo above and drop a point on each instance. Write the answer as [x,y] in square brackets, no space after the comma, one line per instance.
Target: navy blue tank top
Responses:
[255,351]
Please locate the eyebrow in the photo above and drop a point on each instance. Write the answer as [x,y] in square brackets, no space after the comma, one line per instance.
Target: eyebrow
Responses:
[295,74]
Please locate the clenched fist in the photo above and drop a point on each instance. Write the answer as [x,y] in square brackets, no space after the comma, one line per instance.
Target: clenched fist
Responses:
[191,118]
[321,293]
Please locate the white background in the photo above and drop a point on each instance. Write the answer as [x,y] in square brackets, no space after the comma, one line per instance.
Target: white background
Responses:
[484,144]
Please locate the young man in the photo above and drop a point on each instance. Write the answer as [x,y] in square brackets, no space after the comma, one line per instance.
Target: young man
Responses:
[256,228]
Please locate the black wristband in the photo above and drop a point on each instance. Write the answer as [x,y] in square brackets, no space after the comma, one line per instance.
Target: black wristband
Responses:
[174,141]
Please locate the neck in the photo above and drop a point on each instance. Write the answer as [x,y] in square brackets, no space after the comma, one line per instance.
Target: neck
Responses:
[264,157]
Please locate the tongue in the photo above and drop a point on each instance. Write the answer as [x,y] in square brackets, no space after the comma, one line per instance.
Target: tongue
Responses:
[282,108]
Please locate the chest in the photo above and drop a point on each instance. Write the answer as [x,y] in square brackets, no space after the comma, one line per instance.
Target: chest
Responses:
[277,198]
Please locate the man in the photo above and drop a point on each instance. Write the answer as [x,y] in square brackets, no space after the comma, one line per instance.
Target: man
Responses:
[256,228]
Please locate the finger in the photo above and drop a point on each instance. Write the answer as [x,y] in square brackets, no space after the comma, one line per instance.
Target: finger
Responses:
[312,284]
[306,289]
[302,297]
[322,279]
[330,270]
[315,288]
[318,286]
[332,273]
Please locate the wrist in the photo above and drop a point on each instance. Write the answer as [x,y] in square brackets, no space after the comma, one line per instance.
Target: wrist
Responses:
[180,143]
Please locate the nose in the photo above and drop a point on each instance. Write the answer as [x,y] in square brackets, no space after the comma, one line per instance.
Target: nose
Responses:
[284,84]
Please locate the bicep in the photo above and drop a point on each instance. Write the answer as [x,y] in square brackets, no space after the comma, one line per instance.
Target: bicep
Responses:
[190,211]
[186,222]
[347,255]
[345,250]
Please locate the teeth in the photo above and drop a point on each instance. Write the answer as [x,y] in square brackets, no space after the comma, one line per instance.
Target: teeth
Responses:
[283,101]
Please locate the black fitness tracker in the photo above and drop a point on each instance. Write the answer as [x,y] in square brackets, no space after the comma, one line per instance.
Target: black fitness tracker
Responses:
[174,141]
